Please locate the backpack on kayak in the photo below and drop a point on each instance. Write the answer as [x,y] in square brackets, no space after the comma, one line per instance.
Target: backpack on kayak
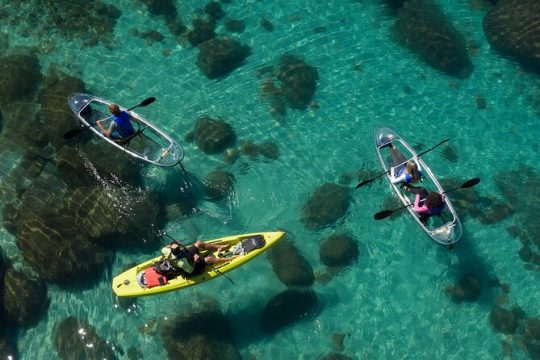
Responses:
[175,261]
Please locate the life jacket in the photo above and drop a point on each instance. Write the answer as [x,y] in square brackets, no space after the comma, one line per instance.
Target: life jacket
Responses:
[179,257]
[123,124]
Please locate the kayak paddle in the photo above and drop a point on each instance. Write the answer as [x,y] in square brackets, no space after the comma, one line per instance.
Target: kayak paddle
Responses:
[386,213]
[387,171]
[74,132]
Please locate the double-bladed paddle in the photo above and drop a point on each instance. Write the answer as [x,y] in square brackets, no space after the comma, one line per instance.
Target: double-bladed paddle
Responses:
[386,213]
[387,171]
[74,132]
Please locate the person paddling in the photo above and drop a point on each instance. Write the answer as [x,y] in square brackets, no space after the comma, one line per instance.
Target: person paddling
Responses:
[426,203]
[120,127]
[408,174]
[189,259]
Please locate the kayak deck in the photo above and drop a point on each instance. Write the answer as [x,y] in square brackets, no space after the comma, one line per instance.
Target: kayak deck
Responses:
[445,228]
[127,285]
[148,144]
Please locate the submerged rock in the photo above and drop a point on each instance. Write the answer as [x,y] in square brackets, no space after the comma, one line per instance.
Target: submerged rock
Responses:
[24,298]
[531,338]
[214,11]
[203,30]
[213,135]
[335,356]
[8,349]
[50,248]
[286,308]
[512,28]
[298,81]
[115,217]
[218,184]
[467,289]
[327,204]
[268,149]
[422,27]
[289,265]
[19,77]
[339,250]
[219,57]
[76,339]
[57,116]
[505,321]
[199,334]
[90,164]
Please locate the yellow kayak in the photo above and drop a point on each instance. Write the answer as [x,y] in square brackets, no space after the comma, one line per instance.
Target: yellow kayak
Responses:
[132,283]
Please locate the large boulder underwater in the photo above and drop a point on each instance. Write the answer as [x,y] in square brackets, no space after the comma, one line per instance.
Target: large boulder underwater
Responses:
[291,268]
[423,28]
[286,308]
[327,204]
[219,57]
[77,339]
[511,27]
[199,333]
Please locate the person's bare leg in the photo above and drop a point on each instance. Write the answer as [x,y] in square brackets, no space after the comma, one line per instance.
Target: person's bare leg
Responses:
[214,260]
[207,246]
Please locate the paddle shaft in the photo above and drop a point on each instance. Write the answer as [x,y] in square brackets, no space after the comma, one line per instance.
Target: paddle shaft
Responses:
[210,265]
[387,171]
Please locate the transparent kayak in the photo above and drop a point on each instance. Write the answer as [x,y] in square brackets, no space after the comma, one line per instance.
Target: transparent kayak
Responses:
[149,143]
[444,229]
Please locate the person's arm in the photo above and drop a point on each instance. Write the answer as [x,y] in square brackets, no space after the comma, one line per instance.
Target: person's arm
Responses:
[417,207]
[417,163]
[107,133]
[401,178]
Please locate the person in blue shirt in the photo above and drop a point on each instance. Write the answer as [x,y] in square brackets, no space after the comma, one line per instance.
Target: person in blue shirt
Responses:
[408,172]
[120,127]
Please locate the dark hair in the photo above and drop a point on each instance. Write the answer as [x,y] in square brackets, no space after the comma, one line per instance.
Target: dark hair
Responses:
[434,201]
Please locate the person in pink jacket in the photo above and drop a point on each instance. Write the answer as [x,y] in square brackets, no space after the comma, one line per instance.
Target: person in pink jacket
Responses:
[426,203]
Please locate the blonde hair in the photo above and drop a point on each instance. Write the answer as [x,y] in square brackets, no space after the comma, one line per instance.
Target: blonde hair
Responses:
[412,169]
[114,109]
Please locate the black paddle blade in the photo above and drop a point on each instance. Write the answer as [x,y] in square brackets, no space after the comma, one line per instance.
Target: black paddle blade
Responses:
[147,101]
[72,133]
[470,183]
[383,214]
[364,183]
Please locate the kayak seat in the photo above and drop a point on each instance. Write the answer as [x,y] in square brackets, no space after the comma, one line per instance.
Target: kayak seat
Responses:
[252,242]
[125,141]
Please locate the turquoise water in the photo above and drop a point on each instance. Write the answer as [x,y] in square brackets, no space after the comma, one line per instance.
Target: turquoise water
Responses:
[391,303]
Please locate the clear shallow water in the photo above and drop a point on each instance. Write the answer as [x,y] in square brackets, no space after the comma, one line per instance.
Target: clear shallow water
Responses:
[391,303]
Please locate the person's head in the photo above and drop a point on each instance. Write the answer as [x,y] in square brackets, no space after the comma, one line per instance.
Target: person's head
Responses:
[412,169]
[434,201]
[114,109]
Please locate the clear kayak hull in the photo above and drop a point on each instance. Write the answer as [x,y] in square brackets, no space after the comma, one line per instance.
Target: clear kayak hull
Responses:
[149,144]
[444,229]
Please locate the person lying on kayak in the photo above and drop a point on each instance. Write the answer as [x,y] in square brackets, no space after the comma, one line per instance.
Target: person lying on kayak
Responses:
[407,174]
[189,260]
[120,127]
[426,203]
